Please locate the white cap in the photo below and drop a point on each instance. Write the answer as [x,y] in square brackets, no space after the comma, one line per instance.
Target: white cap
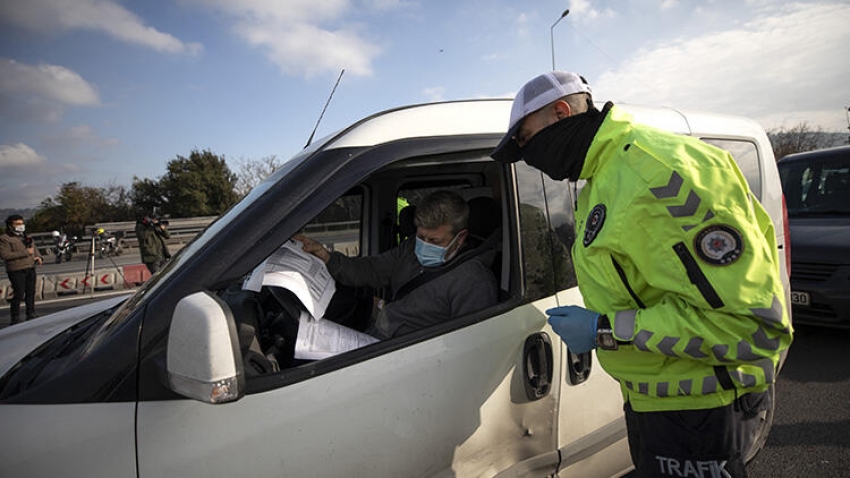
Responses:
[537,93]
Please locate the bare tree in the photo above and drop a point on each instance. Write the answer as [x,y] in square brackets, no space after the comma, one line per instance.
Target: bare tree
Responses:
[251,172]
[798,139]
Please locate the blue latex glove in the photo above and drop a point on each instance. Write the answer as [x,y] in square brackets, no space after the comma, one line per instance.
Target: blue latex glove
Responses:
[576,326]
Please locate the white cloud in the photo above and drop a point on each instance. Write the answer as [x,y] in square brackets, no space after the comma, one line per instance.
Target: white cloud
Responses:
[434,93]
[29,177]
[51,82]
[787,60]
[384,4]
[296,37]
[105,16]
[290,11]
[19,156]
[669,4]
[523,26]
[306,49]
[583,10]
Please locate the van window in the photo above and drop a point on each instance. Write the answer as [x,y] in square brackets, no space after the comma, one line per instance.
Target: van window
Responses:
[338,226]
[536,238]
[747,156]
[561,203]
[365,221]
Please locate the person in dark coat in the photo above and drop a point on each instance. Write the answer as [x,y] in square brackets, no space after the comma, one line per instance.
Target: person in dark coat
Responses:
[19,254]
[151,234]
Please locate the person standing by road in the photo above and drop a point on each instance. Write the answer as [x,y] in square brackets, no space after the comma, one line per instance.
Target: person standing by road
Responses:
[163,239]
[679,270]
[151,234]
[18,252]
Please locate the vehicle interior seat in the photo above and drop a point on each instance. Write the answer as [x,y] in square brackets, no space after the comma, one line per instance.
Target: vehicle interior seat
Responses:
[485,231]
[485,218]
[406,225]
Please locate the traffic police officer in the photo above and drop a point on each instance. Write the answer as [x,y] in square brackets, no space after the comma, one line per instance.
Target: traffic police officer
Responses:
[679,270]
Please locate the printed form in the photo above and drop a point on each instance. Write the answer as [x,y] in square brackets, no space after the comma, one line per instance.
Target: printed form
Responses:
[308,278]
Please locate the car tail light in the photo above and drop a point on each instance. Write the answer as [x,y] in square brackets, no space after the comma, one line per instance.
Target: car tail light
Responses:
[787,232]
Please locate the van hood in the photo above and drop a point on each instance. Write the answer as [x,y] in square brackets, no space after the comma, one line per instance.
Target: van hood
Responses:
[16,342]
[815,238]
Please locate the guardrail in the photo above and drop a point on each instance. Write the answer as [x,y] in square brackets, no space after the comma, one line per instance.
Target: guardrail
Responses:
[182,231]
[53,286]
[49,286]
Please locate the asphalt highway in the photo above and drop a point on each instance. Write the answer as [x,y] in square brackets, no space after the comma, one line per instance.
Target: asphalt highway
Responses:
[811,432]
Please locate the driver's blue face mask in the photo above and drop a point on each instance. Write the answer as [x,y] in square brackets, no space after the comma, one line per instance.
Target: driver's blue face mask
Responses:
[430,255]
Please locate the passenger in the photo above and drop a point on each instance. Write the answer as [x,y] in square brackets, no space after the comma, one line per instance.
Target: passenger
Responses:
[453,282]
[686,302]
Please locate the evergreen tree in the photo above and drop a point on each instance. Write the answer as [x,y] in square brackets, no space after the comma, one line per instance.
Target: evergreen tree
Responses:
[200,185]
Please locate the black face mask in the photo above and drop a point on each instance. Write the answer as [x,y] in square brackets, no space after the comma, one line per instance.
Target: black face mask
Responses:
[559,150]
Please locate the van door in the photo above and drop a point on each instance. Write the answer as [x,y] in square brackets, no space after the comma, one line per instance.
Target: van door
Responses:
[450,406]
[474,398]
[591,430]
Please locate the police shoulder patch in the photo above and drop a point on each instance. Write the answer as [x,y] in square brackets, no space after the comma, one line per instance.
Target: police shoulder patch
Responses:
[719,245]
[594,223]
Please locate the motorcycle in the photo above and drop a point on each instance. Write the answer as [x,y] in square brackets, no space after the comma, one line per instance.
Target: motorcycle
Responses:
[109,244]
[63,246]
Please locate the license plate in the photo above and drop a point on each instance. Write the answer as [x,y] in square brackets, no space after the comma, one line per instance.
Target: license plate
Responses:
[800,298]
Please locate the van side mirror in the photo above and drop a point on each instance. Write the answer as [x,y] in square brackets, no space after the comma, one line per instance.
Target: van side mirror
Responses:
[203,359]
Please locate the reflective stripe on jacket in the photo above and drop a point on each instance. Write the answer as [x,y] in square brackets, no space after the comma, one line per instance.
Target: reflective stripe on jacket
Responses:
[673,247]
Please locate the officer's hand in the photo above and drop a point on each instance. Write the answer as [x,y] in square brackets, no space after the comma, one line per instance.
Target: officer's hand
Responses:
[576,326]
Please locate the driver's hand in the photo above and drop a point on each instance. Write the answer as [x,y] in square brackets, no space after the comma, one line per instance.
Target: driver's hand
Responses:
[313,247]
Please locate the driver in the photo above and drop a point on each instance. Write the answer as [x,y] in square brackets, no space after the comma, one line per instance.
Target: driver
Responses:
[454,283]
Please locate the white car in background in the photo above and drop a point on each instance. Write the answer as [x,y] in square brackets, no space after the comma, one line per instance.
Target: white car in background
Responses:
[169,383]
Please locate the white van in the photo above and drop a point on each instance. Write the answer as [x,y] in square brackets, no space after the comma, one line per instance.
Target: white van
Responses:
[167,383]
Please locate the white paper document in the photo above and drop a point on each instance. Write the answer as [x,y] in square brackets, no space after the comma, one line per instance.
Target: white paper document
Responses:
[318,339]
[300,272]
[308,278]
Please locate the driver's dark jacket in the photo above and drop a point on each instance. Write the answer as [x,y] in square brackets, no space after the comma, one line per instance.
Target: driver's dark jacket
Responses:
[469,287]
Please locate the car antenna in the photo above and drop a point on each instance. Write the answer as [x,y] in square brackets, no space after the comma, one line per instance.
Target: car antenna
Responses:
[310,140]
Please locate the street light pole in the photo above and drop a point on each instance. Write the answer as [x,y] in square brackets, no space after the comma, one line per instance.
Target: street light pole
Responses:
[552,35]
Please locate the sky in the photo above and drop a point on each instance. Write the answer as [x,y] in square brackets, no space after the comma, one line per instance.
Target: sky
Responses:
[104,91]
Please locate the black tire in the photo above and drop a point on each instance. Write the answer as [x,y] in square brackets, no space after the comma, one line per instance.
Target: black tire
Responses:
[762,430]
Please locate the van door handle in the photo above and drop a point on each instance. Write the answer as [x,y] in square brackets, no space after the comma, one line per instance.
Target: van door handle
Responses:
[537,361]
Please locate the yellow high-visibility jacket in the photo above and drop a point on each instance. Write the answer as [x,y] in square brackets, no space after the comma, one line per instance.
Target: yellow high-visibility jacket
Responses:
[674,248]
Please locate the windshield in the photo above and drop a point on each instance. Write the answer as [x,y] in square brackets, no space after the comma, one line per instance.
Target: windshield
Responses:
[186,253]
[816,188]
